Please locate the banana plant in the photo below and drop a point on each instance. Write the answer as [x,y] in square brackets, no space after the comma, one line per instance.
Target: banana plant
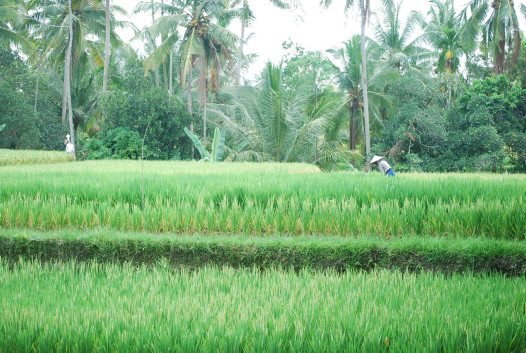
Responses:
[218,146]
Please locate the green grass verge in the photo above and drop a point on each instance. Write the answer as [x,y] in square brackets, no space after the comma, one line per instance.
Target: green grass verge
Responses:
[72,307]
[337,253]
[18,157]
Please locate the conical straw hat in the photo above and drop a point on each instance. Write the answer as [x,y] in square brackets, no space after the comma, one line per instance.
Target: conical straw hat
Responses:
[375,159]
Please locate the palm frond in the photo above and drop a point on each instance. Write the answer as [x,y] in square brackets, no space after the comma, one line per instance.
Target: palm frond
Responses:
[161,53]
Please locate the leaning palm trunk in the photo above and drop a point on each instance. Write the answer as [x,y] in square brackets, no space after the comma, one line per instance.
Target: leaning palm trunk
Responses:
[107,48]
[364,7]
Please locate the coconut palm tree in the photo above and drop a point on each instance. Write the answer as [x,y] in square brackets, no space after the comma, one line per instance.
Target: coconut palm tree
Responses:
[12,15]
[204,46]
[274,122]
[443,30]
[72,32]
[497,22]
[364,7]
[107,47]
[395,39]
[348,72]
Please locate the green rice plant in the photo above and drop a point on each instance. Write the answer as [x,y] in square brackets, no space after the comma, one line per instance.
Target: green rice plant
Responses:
[80,307]
[255,199]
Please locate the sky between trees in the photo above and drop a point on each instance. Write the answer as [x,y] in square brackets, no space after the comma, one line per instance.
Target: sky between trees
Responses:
[310,26]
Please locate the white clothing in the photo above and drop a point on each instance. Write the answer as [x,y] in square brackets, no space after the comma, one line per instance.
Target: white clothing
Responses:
[383,166]
[70,148]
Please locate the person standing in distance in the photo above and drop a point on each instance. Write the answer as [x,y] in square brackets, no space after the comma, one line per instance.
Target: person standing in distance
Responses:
[383,166]
[69,146]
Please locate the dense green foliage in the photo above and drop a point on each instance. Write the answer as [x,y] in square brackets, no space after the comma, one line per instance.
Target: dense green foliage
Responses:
[487,130]
[86,307]
[139,110]
[194,197]
[25,128]
[452,99]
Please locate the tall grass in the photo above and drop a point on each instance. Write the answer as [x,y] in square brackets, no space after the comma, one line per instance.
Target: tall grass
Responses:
[260,199]
[17,157]
[109,308]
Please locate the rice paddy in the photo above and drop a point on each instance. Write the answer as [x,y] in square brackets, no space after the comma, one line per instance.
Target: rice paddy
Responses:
[122,256]
[15,157]
[110,308]
[256,200]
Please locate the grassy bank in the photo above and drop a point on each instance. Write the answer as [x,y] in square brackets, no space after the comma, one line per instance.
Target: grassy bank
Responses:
[320,253]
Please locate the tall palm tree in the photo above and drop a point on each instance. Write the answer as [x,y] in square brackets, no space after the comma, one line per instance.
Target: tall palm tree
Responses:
[364,7]
[443,30]
[497,21]
[72,32]
[67,79]
[107,47]
[205,44]
[348,73]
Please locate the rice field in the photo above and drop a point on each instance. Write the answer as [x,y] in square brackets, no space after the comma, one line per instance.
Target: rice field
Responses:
[17,157]
[184,197]
[172,220]
[110,308]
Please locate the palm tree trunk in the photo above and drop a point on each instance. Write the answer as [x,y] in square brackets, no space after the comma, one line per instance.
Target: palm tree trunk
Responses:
[352,127]
[204,119]
[157,78]
[36,93]
[516,44]
[67,79]
[170,84]
[500,57]
[189,106]
[107,48]
[166,68]
[365,7]
[241,47]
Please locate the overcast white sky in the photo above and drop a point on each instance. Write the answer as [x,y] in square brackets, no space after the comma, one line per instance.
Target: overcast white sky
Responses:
[311,27]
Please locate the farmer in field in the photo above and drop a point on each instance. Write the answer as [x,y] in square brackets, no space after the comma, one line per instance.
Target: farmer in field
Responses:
[383,166]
